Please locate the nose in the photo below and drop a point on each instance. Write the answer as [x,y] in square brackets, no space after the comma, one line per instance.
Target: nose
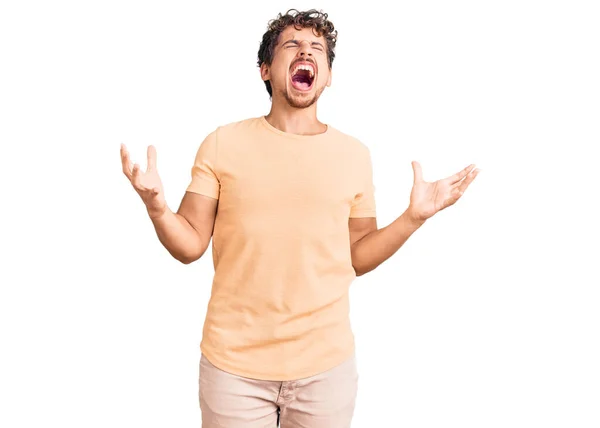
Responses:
[305,49]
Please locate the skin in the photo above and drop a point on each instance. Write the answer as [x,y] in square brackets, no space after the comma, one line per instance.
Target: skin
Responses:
[371,246]
[295,111]
[186,233]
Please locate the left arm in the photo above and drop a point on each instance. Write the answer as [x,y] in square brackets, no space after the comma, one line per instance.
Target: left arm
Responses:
[371,246]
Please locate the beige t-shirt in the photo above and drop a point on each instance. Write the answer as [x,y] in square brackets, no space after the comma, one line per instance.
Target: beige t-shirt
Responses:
[279,307]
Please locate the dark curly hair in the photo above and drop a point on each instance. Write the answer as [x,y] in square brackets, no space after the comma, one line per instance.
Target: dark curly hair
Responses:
[317,20]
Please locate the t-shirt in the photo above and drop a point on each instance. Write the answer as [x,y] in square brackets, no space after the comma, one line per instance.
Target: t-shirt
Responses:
[279,305]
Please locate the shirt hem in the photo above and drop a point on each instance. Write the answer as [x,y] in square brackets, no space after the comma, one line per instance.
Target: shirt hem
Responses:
[333,362]
[194,188]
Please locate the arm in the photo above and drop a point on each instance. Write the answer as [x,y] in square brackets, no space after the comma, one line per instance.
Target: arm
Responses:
[371,246]
[185,234]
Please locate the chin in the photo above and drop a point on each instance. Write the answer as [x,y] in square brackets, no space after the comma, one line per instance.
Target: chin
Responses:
[302,99]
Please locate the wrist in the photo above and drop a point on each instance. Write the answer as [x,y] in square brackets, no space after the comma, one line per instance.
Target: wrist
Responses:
[412,218]
[157,214]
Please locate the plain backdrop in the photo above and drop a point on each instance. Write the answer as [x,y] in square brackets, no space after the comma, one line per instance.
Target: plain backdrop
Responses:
[487,317]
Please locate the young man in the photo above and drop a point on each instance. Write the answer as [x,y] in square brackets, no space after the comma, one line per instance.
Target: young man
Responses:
[289,203]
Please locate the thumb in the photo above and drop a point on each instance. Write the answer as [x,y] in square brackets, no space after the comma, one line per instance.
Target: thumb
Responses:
[417,173]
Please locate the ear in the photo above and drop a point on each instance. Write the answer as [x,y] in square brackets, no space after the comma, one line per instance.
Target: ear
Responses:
[329,80]
[265,72]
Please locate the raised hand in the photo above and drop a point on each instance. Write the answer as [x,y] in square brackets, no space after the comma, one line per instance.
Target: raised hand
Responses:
[146,184]
[427,198]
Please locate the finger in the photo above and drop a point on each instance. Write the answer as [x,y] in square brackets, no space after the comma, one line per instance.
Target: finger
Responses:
[151,158]
[460,175]
[125,161]
[462,186]
[455,196]
[451,198]
[417,172]
[135,177]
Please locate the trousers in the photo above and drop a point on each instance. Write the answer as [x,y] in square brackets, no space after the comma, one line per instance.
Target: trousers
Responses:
[325,400]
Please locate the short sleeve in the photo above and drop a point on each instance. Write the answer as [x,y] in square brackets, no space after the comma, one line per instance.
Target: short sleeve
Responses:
[205,179]
[363,204]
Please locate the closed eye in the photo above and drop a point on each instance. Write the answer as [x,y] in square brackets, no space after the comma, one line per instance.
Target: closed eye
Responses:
[294,44]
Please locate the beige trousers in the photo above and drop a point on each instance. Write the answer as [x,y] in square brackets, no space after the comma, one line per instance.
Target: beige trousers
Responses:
[325,400]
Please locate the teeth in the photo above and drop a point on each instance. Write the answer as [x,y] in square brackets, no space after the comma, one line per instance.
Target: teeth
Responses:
[304,67]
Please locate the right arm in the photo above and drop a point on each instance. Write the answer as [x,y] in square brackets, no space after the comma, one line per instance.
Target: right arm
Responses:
[185,234]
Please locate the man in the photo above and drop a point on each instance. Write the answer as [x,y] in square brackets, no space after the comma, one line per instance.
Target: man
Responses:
[289,203]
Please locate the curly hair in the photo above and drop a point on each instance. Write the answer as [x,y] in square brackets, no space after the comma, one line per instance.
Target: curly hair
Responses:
[317,20]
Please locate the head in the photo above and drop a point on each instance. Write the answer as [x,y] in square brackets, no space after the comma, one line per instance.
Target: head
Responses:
[295,56]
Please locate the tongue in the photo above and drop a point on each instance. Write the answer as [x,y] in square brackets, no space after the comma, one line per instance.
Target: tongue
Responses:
[300,84]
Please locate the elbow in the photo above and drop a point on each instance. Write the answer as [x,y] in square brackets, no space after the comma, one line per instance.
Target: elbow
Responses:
[358,271]
[191,255]
[361,270]
[187,259]
[182,258]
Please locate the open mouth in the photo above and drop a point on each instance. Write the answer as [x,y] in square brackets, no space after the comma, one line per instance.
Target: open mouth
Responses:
[303,76]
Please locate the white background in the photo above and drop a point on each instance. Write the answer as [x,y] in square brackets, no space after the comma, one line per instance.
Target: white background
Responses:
[487,317]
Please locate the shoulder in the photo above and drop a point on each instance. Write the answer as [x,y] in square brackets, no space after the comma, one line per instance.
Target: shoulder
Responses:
[350,142]
[220,135]
[238,126]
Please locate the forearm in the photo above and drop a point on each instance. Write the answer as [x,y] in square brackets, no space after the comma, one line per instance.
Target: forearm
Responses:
[176,234]
[379,245]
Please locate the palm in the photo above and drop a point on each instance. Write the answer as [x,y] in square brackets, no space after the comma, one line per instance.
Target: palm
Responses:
[427,198]
[147,184]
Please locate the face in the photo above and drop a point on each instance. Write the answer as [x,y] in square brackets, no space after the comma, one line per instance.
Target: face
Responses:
[300,71]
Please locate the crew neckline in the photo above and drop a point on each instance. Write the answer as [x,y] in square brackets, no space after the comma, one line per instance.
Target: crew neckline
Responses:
[271,128]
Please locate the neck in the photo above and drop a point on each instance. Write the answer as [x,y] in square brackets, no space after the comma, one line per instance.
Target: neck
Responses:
[301,121]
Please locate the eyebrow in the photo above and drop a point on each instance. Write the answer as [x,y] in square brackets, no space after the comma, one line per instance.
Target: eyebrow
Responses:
[296,42]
